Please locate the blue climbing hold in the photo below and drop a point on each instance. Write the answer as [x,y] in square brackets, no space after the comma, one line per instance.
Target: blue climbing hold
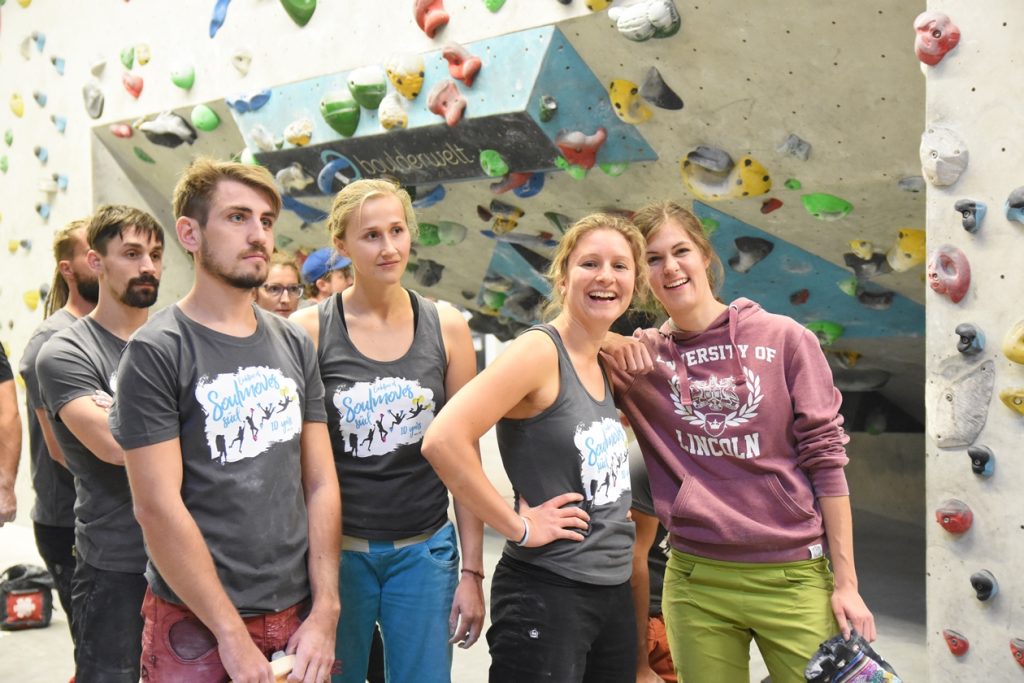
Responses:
[58,64]
[220,12]
[251,101]
[43,209]
[531,187]
[40,98]
[430,197]
[309,214]
[60,122]
[337,172]
[61,180]
[41,154]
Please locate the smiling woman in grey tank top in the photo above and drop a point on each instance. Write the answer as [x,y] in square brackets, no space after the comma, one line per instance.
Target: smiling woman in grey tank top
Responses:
[389,360]
[560,597]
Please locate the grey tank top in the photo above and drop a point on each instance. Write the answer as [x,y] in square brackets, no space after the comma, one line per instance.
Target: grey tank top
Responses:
[377,413]
[576,444]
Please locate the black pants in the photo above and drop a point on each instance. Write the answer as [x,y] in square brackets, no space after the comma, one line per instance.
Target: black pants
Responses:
[547,627]
[56,545]
[375,665]
[108,624]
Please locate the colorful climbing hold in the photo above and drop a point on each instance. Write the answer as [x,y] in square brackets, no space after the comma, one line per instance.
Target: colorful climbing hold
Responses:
[451,233]
[827,331]
[128,56]
[533,185]
[406,73]
[493,164]
[960,408]
[48,185]
[793,184]
[8,137]
[646,19]
[204,118]
[908,250]
[1013,342]
[848,286]
[168,130]
[1014,207]
[506,216]
[4,164]
[301,11]
[771,204]
[337,172]
[241,59]
[575,172]
[427,236]
[341,112]
[142,54]
[31,297]
[293,178]
[97,66]
[220,13]
[656,91]
[865,269]
[711,158]
[429,198]
[299,132]
[748,178]
[595,5]
[972,213]
[709,226]
[368,86]
[826,207]
[1017,650]
[580,149]
[862,248]
[613,169]
[800,297]
[795,146]
[264,139]
[43,209]
[494,5]
[510,181]
[462,65]
[971,339]
[983,460]
[142,156]
[17,105]
[61,180]
[560,221]
[39,97]
[446,101]
[627,103]
[984,584]
[949,272]
[121,130]
[749,252]
[250,101]
[41,154]
[944,156]
[430,15]
[59,122]
[936,35]
[547,107]
[132,83]
[184,76]
[954,516]
[392,113]
[957,644]
[1013,399]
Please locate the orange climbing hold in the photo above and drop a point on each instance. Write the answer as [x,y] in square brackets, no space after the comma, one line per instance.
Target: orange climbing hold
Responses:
[462,65]
[430,16]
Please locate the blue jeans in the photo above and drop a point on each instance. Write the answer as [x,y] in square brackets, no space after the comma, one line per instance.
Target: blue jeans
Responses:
[408,590]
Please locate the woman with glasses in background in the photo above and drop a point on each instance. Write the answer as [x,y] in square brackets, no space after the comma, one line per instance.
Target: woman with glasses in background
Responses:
[282,291]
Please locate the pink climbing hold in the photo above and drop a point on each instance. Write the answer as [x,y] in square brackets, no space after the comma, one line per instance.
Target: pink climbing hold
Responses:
[121,130]
[949,272]
[430,15]
[445,100]
[936,35]
[769,205]
[462,65]
[511,182]
[579,148]
[132,83]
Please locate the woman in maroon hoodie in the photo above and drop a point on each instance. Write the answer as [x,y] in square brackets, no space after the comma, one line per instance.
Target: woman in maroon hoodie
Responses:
[738,420]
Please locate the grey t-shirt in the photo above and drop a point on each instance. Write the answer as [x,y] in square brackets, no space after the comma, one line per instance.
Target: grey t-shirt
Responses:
[54,485]
[576,444]
[238,405]
[76,362]
[657,556]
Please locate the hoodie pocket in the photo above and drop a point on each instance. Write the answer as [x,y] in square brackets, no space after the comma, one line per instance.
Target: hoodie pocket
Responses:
[749,511]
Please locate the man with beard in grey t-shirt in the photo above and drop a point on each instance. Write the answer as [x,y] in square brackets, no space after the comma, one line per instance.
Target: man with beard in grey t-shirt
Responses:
[126,252]
[73,293]
[221,414]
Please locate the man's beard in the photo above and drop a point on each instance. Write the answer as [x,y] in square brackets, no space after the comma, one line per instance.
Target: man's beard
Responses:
[141,298]
[88,289]
[236,280]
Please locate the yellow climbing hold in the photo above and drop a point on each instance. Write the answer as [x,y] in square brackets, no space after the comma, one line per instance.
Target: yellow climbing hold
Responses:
[31,299]
[908,251]
[1013,399]
[299,132]
[748,178]
[24,3]
[406,73]
[17,105]
[627,103]
[12,246]
[142,54]
[597,5]
[862,248]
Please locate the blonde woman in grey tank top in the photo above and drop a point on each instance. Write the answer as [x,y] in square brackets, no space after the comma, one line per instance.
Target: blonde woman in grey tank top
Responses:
[389,359]
[560,597]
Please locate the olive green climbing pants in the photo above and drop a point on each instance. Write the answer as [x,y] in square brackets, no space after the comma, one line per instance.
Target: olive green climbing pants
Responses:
[712,610]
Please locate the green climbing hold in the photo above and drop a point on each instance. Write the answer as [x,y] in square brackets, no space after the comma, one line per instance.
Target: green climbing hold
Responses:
[826,331]
[204,118]
[340,111]
[576,171]
[301,11]
[494,5]
[8,137]
[128,57]
[848,286]
[614,169]
[492,299]
[3,164]
[141,154]
[428,236]
[493,163]
[368,86]
[248,158]
[793,184]
[709,225]
[826,207]
[184,77]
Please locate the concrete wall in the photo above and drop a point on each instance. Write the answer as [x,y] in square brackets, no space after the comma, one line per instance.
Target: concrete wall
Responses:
[972,91]
[886,475]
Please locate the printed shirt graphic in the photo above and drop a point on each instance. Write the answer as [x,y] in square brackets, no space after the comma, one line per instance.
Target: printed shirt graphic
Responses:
[378,417]
[248,411]
[604,461]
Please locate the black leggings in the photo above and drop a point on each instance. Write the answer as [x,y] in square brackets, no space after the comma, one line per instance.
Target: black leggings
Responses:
[56,545]
[547,627]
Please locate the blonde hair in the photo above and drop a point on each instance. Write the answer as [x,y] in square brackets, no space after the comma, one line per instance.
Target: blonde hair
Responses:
[199,181]
[111,220]
[285,260]
[64,242]
[653,217]
[348,204]
[596,221]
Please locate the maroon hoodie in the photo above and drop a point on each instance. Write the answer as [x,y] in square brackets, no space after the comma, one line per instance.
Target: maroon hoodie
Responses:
[741,433]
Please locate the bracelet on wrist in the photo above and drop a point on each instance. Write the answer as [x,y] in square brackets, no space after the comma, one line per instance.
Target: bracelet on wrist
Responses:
[474,572]
[526,532]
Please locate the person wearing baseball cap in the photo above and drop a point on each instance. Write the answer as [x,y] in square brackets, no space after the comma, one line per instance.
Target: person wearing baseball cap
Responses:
[325,272]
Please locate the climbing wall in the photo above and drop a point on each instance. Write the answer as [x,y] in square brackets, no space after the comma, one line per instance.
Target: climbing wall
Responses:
[971,153]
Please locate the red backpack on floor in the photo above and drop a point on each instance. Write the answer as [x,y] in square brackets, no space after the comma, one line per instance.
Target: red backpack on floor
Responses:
[26,597]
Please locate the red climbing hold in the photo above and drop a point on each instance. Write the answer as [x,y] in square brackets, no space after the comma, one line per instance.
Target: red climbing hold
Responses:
[430,15]
[954,516]
[132,83]
[461,64]
[581,149]
[769,205]
[799,297]
[1017,648]
[956,643]
[445,100]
